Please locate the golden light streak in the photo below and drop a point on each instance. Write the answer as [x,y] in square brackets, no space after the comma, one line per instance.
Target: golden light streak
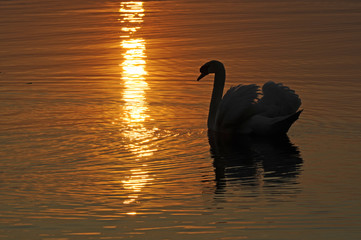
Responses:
[131,12]
[135,105]
[131,213]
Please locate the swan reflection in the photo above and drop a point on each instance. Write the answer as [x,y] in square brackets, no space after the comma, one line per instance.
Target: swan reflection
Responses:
[254,161]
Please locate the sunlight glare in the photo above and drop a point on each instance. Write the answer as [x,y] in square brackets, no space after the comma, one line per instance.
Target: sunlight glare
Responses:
[135,105]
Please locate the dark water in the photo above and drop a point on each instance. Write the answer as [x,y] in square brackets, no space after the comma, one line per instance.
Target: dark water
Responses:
[103,126]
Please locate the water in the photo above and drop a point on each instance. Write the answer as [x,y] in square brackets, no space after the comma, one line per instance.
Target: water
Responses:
[103,126]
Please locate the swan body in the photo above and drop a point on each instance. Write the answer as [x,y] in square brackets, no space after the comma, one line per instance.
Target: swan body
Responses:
[243,110]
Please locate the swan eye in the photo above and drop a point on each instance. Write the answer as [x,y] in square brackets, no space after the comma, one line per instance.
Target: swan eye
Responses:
[204,69]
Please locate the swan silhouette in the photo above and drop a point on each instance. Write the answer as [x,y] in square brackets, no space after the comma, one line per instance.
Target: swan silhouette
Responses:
[241,109]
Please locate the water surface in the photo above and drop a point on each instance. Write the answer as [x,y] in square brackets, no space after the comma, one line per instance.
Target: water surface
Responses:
[103,126]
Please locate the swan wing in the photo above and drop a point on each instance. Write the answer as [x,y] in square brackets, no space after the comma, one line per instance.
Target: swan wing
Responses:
[278,100]
[236,106]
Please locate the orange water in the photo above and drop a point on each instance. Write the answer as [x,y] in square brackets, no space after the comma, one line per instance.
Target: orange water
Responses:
[103,126]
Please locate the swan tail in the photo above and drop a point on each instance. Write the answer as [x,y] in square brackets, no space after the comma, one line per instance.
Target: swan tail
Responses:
[282,126]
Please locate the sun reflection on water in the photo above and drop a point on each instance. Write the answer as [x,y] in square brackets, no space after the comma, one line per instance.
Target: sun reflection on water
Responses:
[135,107]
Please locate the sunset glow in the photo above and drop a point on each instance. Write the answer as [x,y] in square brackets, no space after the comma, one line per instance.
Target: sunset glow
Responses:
[134,97]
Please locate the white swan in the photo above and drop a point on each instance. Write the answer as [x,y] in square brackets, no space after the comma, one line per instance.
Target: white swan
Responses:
[242,111]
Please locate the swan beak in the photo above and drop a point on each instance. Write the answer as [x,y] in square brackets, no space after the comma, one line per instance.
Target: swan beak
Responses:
[201,76]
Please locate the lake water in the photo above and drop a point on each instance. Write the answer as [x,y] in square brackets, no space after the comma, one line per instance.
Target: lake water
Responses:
[103,125]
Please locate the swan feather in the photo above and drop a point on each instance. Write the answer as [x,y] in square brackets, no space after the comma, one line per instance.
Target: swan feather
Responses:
[243,110]
[237,104]
[278,100]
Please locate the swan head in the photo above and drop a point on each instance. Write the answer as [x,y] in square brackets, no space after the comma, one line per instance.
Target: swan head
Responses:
[213,66]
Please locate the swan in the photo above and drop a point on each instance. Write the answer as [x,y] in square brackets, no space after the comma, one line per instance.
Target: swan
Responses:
[242,109]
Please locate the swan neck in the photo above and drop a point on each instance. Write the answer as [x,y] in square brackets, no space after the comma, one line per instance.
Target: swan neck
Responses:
[218,86]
